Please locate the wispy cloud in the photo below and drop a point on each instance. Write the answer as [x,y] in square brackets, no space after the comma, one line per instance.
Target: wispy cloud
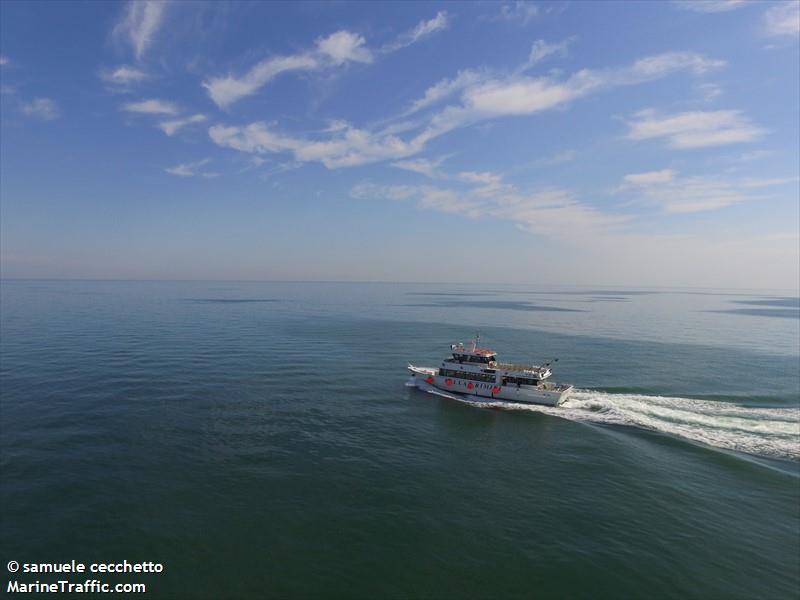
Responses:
[4,60]
[542,50]
[551,212]
[224,91]
[695,129]
[677,194]
[41,108]
[345,148]
[480,177]
[343,47]
[485,96]
[193,169]
[481,98]
[123,76]
[518,12]
[423,29]
[519,95]
[444,89]
[556,213]
[336,49]
[710,6]
[783,19]
[151,107]
[649,177]
[141,22]
[423,166]
[171,127]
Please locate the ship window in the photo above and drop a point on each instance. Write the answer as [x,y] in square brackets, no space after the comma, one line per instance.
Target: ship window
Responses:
[486,377]
[519,381]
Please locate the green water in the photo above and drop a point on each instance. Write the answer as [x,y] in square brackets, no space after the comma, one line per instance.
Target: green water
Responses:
[259,440]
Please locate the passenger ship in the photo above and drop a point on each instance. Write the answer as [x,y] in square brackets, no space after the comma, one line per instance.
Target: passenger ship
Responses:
[475,371]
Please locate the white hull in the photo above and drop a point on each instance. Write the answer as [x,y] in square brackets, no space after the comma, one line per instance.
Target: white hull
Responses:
[512,393]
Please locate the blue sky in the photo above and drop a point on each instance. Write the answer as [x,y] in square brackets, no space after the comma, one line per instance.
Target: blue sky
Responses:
[637,143]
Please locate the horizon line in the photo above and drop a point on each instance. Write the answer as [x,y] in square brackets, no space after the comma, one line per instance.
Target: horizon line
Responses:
[385,282]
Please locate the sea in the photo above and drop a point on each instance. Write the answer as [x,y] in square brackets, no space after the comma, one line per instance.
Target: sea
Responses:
[264,440]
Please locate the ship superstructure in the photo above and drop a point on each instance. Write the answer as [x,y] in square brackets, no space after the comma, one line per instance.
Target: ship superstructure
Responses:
[476,371]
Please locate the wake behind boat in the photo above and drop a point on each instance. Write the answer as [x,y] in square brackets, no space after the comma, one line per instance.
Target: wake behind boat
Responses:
[476,371]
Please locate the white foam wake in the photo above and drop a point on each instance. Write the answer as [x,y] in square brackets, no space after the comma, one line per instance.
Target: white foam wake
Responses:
[773,432]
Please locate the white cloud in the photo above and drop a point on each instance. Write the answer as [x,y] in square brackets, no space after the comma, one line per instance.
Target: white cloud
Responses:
[710,6]
[123,75]
[481,99]
[336,125]
[675,194]
[423,29]
[662,176]
[519,97]
[344,148]
[41,108]
[603,247]
[254,138]
[481,177]
[224,91]
[518,12]
[485,98]
[444,89]
[142,20]
[449,201]
[694,129]
[171,127]
[556,213]
[4,60]
[192,169]
[334,50]
[151,107]
[552,212]
[541,50]
[344,46]
[424,166]
[670,62]
[783,18]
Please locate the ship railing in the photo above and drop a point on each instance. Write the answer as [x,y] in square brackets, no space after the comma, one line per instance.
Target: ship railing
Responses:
[519,367]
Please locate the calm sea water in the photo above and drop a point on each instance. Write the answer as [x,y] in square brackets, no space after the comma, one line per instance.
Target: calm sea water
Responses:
[259,440]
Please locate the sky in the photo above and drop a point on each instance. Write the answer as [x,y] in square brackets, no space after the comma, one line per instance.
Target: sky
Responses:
[605,143]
